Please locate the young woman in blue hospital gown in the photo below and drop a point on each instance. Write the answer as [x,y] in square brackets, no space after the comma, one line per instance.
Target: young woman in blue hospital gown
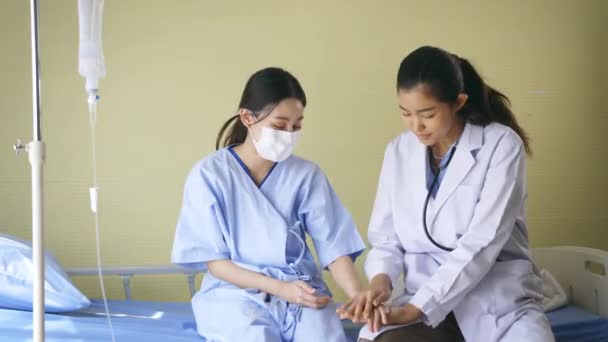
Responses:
[247,210]
[450,216]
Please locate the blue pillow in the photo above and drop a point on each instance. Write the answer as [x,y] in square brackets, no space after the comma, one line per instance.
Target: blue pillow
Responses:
[17,280]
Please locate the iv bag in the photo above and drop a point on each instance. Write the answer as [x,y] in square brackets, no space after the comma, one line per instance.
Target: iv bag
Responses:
[91,64]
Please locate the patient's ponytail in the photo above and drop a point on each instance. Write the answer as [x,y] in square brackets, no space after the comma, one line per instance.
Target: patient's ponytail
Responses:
[237,133]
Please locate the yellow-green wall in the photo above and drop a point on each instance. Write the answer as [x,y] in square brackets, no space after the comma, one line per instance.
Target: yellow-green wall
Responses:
[604,44]
[176,70]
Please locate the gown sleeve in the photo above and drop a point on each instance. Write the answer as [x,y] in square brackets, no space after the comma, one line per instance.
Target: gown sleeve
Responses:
[199,234]
[328,223]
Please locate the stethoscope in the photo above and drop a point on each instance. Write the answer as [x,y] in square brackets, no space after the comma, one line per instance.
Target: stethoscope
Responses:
[428,197]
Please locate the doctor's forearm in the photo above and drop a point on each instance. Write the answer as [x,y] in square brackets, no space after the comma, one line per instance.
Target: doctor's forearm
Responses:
[228,271]
[344,273]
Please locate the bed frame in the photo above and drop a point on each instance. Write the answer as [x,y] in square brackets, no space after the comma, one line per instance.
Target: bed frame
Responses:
[581,271]
[127,273]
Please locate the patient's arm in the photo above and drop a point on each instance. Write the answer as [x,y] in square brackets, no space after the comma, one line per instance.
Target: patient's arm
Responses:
[344,273]
[360,302]
[297,292]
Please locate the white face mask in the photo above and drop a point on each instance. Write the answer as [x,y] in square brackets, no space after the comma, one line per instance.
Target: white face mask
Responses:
[275,145]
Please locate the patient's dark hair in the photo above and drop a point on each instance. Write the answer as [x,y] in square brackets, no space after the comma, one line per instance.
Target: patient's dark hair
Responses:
[445,76]
[263,91]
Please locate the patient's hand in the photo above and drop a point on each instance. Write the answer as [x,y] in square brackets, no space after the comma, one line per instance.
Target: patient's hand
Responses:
[299,292]
[360,307]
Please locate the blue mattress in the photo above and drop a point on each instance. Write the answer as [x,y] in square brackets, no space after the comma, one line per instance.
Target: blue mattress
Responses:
[572,324]
[161,321]
[132,321]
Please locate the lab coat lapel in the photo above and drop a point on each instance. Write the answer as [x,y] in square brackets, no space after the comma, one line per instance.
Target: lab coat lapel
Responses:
[417,170]
[459,167]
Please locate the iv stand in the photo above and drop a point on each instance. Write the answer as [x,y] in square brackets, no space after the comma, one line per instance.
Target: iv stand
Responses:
[36,156]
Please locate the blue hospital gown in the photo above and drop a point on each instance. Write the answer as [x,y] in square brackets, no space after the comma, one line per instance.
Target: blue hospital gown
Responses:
[225,215]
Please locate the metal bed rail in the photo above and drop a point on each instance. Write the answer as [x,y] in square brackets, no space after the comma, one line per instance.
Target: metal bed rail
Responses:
[126,273]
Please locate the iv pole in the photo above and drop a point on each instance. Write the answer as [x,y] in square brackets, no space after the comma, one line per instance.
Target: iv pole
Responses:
[36,149]
[36,156]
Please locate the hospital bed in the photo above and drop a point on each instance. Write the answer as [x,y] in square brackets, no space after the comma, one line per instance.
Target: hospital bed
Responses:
[580,271]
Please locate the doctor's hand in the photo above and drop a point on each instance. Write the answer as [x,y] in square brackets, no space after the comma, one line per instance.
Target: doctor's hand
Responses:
[396,315]
[360,307]
[299,292]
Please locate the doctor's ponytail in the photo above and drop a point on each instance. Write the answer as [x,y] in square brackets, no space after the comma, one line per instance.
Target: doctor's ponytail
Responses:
[446,75]
[263,91]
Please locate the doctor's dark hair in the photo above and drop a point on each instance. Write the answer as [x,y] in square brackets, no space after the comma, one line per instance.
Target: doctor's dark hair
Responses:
[445,76]
[263,91]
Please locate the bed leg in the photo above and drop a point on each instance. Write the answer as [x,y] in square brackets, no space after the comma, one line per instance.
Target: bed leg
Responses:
[598,310]
[191,286]
[126,284]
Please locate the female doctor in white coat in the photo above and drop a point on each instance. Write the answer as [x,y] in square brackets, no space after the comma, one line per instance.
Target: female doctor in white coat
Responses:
[450,215]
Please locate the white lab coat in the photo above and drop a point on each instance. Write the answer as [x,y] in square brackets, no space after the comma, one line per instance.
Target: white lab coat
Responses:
[479,211]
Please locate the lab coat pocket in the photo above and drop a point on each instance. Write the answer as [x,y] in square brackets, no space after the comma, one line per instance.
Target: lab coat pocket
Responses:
[464,200]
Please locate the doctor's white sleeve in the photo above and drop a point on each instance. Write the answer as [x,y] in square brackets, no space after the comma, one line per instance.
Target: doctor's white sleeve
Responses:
[386,254]
[500,203]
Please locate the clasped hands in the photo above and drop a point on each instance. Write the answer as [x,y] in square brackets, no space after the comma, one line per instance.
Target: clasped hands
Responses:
[371,307]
